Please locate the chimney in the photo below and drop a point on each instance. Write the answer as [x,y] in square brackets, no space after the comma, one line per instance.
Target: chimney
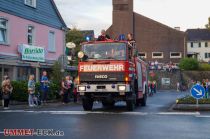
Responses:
[123,17]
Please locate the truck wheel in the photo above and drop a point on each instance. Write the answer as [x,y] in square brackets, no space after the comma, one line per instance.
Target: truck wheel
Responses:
[138,102]
[144,100]
[87,104]
[130,105]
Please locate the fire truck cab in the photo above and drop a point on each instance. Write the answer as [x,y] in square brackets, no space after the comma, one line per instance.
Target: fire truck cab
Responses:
[109,72]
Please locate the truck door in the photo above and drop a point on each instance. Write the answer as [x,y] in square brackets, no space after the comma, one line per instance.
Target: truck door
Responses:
[140,84]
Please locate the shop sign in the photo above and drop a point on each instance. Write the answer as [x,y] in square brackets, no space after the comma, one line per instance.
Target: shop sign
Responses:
[33,53]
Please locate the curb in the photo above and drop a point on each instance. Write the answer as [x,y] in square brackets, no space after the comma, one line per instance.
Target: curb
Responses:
[191,107]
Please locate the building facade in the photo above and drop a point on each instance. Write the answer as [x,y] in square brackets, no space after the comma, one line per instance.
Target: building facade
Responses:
[198,44]
[32,37]
[155,41]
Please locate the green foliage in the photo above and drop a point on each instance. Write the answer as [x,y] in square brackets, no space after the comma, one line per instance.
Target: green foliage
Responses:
[20,91]
[208,25]
[56,73]
[75,36]
[204,67]
[191,100]
[189,64]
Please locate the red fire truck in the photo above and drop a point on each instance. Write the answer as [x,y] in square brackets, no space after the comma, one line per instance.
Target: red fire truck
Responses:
[111,71]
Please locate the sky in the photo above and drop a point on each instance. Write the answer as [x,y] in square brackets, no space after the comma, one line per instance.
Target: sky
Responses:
[97,14]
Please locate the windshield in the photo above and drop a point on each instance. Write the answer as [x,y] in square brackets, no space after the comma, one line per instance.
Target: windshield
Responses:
[116,51]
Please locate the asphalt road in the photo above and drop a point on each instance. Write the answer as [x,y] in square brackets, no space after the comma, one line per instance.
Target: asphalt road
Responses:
[155,121]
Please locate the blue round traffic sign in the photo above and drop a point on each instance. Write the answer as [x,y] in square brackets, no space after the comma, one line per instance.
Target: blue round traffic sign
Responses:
[198,91]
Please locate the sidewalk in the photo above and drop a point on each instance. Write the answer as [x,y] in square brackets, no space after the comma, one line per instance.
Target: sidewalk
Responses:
[50,104]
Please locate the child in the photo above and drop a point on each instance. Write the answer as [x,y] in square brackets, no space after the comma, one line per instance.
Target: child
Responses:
[31,91]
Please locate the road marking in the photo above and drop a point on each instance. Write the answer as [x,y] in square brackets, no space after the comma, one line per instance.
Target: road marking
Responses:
[105,113]
[203,116]
[179,113]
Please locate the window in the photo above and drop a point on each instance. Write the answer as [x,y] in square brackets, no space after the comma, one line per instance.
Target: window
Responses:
[30,35]
[175,55]
[206,44]
[3,31]
[199,44]
[207,55]
[157,55]
[143,55]
[31,3]
[191,44]
[51,42]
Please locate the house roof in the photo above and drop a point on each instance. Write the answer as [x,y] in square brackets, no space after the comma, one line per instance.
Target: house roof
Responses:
[45,12]
[198,34]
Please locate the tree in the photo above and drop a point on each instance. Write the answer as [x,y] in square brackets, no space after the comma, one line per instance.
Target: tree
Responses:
[74,35]
[56,73]
[208,25]
[189,64]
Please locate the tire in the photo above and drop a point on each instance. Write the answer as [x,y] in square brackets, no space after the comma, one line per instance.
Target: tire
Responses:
[130,105]
[87,104]
[144,99]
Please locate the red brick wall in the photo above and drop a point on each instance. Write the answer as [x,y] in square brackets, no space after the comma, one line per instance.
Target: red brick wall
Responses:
[151,36]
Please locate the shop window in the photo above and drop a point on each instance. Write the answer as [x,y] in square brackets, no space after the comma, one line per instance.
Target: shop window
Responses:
[3,31]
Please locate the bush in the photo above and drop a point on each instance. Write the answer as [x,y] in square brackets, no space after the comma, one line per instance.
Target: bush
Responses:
[204,67]
[189,64]
[20,91]
[191,100]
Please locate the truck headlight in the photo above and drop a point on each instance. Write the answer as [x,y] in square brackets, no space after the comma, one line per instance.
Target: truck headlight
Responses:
[122,88]
[81,54]
[81,88]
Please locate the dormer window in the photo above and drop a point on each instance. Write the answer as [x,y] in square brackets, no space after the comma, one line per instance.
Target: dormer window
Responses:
[31,3]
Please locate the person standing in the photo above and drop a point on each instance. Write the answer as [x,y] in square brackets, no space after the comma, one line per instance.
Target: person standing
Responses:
[178,86]
[6,92]
[131,40]
[156,64]
[103,36]
[44,86]
[31,91]
[65,88]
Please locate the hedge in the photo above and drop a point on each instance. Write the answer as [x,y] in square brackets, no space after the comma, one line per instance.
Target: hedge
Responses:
[191,100]
[204,67]
[20,91]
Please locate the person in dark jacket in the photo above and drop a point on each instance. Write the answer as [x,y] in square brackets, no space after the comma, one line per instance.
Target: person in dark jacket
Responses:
[103,36]
[130,39]
[6,92]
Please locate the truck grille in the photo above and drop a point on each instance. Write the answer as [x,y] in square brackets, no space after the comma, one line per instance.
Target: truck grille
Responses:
[102,77]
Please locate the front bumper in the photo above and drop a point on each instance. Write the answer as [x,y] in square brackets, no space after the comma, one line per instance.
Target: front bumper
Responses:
[105,88]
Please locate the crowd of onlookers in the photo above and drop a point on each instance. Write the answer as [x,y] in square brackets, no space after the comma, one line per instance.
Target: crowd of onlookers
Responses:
[205,83]
[170,67]
[68,90]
